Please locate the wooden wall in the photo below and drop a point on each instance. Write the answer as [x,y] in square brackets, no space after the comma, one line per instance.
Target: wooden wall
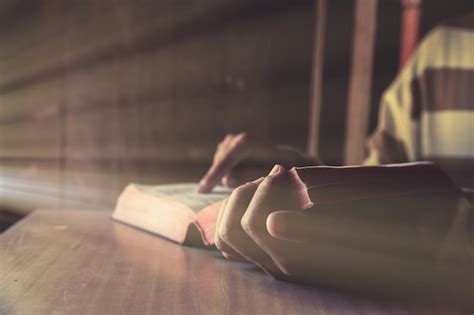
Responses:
[95,94]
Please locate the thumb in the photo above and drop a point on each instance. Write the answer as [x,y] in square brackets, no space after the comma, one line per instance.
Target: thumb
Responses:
[290,225]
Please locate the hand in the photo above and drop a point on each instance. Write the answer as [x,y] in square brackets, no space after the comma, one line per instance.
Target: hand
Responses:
[286,244]
[239,159]
[340,246]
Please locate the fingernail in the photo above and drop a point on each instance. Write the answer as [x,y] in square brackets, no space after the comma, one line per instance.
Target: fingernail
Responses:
[276,169]
[202,186]
[276,226]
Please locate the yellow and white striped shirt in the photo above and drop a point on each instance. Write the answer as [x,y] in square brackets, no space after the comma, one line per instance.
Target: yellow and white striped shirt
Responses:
[427,113]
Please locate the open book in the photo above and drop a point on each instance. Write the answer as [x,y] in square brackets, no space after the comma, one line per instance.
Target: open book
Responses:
[175,211]
[181,214]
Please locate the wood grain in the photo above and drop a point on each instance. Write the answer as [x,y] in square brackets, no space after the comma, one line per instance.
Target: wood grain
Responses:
[81,262]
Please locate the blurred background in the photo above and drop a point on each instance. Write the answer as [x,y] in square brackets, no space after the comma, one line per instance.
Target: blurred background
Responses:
[96,94]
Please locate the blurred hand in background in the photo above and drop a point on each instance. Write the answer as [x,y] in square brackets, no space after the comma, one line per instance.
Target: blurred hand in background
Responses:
[239,159]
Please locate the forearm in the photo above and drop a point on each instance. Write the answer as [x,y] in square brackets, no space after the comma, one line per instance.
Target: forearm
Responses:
[410,246]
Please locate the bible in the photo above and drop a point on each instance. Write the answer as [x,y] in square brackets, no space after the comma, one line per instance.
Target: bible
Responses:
[174,211]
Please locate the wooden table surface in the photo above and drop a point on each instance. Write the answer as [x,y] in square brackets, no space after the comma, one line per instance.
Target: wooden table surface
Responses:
[81,262]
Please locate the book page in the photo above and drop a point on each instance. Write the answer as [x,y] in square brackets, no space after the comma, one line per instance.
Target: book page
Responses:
[186,194]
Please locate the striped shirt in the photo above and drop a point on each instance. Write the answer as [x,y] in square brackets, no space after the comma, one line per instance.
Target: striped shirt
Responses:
[427,113]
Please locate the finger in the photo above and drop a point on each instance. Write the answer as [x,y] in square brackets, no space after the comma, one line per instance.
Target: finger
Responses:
[273,193]
[226,250]
[217,172]
[230,230]
[233,155]
[256,214]
[291,225]
[223,147]
[229,180]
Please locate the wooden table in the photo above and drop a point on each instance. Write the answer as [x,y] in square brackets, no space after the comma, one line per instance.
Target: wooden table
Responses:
[81,262]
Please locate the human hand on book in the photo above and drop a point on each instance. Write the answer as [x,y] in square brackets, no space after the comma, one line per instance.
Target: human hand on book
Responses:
[289,244]
[282,242]
[381,243]
[239,159]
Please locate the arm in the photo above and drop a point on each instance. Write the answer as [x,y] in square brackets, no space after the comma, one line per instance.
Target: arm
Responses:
[415,246]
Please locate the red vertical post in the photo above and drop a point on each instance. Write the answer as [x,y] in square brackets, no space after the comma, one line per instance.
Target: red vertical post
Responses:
[411,13]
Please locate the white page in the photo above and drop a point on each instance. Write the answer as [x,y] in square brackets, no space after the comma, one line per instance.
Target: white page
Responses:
[185,193]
